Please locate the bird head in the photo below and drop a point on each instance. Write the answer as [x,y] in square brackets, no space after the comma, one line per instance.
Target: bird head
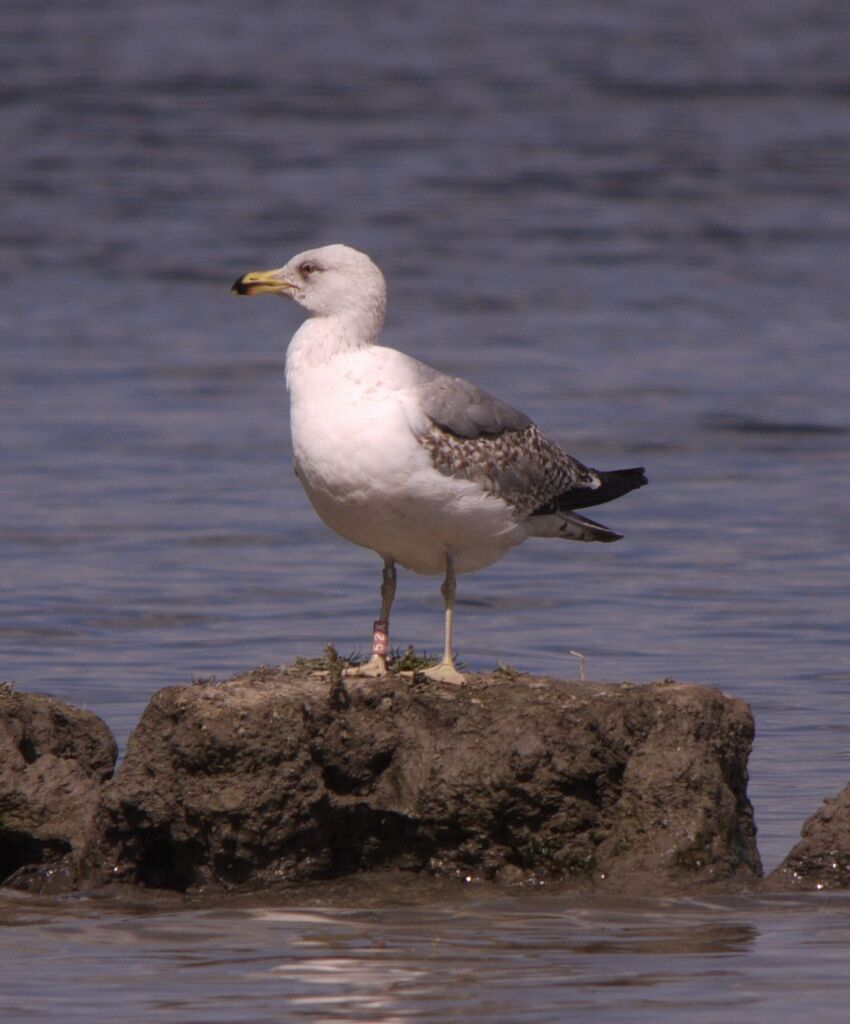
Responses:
[329,281]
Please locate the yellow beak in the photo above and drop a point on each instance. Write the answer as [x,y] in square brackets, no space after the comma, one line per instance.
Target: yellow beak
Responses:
[262,282]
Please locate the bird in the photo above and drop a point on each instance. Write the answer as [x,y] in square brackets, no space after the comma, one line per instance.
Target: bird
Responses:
[428,470]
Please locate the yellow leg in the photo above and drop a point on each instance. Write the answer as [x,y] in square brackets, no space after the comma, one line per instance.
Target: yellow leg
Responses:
[377,664]
[446,671]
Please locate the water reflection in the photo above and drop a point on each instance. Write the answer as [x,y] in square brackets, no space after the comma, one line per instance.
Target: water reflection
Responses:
[363,951]
[686,941]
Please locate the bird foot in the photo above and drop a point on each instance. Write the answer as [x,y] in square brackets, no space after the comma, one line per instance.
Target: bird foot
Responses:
[445,672]
[374,668]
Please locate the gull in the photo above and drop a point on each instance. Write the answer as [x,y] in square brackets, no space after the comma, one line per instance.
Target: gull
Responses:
[427,470]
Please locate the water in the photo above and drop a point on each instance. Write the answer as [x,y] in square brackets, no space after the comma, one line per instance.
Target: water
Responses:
[633,223]
[450,958]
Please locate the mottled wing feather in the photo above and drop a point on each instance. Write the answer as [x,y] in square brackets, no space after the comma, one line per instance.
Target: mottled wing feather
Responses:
[522,466]
[475,436]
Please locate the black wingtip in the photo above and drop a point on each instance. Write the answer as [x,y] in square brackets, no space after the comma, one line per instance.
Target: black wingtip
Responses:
[614,484]
[636,476]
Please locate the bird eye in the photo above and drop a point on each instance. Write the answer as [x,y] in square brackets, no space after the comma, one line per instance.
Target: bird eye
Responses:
[307,269]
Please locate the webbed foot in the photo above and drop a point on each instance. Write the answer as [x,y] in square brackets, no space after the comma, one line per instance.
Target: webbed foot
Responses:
[374,668]
[445,672]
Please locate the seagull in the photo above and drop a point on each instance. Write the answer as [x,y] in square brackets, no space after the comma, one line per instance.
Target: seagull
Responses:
[427,470]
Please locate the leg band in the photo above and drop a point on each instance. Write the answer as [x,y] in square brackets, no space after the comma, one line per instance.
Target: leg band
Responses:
[380,639]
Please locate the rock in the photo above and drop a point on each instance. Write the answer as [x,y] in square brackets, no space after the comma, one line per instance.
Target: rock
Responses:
[821,860]
[283,775]
[54,759]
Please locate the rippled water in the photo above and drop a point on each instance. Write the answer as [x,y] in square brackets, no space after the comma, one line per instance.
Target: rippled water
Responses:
[633,223]
[453,957]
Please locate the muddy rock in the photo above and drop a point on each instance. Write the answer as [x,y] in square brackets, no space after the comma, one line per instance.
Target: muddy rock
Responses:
[54,759]
[286,775]
[821,860]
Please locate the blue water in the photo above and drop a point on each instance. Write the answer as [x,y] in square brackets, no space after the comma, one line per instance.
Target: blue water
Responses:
[631,222]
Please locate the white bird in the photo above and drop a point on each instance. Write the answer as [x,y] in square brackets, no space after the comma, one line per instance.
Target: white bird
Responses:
[427,470]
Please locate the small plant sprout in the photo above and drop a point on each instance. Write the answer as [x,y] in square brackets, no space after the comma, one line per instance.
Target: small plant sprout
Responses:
[581,664]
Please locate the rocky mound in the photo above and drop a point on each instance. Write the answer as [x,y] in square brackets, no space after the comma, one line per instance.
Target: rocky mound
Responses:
[287,775]
[821,860]
[54,759]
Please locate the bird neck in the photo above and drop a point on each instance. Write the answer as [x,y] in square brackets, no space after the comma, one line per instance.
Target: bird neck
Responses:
[321,338]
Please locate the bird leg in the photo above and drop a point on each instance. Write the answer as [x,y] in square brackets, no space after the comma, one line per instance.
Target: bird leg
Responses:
[377,664]
[446,671]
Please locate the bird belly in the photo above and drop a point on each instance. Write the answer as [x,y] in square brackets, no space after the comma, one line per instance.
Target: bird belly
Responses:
[419,536]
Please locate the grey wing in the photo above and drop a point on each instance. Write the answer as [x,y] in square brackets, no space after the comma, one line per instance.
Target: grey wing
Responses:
[474,436]
[465,410]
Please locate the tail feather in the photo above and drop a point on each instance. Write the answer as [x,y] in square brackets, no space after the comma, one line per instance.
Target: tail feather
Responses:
[572,526]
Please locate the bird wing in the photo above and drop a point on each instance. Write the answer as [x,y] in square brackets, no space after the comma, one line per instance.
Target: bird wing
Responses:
[465,410]
[472,435]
